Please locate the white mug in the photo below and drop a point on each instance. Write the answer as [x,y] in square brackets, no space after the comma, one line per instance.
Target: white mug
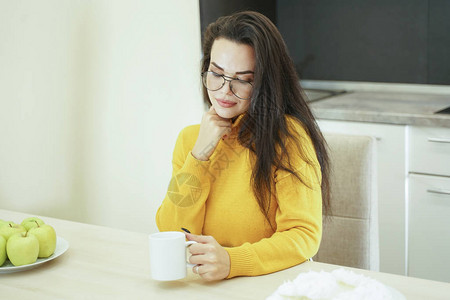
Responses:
[168,255]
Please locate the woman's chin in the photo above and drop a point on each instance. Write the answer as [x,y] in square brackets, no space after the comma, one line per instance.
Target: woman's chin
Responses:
[225,113]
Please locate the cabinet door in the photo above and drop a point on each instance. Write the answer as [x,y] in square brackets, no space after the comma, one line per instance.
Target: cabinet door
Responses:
[429,227]
[391,170]
[430,150]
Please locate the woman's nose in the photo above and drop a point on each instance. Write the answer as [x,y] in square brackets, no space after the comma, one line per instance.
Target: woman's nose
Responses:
[226,88]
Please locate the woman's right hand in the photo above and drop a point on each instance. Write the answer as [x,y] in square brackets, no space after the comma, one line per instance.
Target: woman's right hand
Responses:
[212,129]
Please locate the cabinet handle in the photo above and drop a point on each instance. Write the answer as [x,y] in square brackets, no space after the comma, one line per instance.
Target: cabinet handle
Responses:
[439,140]
[443,192]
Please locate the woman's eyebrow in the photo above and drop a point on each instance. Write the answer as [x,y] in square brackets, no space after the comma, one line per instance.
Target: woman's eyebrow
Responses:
[237,73]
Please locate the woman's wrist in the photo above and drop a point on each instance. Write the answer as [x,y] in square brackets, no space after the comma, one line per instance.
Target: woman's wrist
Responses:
[202,155]
[200,158]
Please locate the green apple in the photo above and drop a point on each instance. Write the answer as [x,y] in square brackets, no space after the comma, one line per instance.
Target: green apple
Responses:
[10,228]
[46,236]
[22,249]
[2,250]
[2,222]
[31,222]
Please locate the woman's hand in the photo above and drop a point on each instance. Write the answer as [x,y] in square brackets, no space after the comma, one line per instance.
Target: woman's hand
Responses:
[212,129]
[212,260]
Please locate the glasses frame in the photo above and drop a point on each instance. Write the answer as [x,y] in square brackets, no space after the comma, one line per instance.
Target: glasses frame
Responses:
[225,79]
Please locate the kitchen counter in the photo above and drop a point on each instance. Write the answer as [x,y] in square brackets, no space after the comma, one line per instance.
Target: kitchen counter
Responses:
[385,107]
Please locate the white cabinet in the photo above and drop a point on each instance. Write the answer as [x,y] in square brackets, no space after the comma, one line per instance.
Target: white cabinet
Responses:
[429,203]
[429,227]
[392,172]
[430,150]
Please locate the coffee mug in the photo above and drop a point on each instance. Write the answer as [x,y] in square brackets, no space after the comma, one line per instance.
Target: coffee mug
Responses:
[168,255]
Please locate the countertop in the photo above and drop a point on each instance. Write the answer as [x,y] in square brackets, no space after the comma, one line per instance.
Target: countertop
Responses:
[385,107]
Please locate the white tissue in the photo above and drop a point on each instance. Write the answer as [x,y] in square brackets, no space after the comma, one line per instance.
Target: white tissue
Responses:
[340,284]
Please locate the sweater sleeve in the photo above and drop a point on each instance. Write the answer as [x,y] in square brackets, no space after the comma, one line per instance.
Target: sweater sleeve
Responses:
[184,202]
[298,224]
[298,232]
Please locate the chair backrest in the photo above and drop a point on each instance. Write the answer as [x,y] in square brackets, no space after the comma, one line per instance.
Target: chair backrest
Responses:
[350,232]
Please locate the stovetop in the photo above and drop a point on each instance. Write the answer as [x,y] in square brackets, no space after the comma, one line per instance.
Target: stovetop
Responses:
[444,111]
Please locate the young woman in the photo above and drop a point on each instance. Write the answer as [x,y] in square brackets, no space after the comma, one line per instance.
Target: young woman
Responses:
[251,181]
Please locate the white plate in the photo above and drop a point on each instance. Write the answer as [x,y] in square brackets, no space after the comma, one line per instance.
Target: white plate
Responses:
[61,246]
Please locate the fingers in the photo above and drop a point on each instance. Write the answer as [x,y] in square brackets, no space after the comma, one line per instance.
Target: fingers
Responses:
[196,270]
[204,251]
[212,111]
[201,270]
[211,259]
[223,125]
[203,239]
[202,259]
[212,129]
[215,117]
[222,128]
[206,272]
[204,246]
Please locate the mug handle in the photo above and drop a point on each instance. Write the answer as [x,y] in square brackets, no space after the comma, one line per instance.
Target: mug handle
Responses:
[188,243]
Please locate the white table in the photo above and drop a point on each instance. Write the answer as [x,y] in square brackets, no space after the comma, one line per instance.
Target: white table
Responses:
[110,263]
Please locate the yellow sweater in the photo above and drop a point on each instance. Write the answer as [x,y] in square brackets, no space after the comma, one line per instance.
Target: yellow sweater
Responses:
[215,198]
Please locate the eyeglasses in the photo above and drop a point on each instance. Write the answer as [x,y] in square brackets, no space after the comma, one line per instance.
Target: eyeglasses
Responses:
[214,82]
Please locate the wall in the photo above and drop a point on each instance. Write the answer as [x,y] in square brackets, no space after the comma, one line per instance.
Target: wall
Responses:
[92,97]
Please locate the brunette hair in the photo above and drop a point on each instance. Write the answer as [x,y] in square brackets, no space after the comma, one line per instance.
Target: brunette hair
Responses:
[276,94]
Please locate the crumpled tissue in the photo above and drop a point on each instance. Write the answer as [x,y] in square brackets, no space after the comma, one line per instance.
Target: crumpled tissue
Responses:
[340,284]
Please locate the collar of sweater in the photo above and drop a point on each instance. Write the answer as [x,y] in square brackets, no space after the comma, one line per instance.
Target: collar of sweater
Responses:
[235,127]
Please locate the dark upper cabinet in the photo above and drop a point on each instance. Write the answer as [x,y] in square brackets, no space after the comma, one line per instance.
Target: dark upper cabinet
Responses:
[210,10]
[439,42]
[403,41]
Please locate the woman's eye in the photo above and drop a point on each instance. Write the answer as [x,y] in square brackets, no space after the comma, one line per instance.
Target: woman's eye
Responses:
[216,74]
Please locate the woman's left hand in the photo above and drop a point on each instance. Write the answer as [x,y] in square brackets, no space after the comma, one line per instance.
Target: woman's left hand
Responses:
[212,260]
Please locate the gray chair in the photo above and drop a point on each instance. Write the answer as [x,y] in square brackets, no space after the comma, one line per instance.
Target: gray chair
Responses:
[350,233]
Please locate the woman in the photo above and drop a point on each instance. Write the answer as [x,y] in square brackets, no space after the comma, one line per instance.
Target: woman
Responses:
[250,182]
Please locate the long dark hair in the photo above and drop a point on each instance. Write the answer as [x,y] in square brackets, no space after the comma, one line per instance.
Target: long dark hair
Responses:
[276,94]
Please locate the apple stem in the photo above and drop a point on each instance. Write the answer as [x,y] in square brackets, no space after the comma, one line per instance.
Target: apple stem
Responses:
[36,223]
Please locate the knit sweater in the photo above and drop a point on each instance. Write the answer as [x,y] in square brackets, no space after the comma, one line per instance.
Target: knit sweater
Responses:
[215,198]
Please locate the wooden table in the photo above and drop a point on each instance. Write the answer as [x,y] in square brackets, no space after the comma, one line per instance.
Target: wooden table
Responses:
[110,263]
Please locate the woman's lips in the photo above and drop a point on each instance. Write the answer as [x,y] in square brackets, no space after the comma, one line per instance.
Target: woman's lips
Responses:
[225,103]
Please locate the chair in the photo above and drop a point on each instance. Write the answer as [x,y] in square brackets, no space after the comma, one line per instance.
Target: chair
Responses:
[350,233]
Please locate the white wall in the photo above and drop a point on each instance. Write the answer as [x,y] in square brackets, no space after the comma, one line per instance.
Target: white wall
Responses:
[92,97]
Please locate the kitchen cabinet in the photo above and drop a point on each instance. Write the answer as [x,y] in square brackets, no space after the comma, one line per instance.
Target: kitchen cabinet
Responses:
[429,227]
[429,203]
[391,162]
[429,150]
